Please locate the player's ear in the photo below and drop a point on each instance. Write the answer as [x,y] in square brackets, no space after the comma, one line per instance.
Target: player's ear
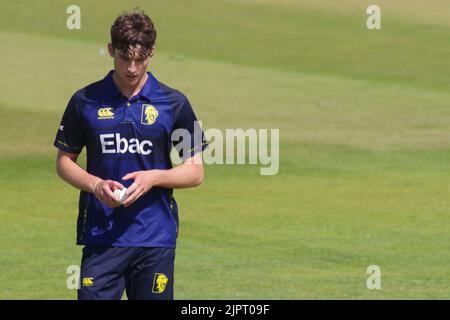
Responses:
[111,50]
[152,52]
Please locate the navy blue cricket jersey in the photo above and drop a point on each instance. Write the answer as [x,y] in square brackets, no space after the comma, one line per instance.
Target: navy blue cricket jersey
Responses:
[123,136]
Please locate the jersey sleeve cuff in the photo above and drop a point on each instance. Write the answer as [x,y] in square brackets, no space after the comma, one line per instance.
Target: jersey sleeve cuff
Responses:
[65,147]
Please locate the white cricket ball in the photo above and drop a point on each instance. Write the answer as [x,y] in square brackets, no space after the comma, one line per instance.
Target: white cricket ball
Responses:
[120,195]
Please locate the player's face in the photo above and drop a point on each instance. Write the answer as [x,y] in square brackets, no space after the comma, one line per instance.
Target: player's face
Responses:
[130,67]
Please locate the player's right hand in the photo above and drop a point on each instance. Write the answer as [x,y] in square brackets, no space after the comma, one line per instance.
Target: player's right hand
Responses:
[104,191]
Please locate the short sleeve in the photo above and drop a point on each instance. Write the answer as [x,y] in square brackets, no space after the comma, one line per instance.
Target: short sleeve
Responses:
[193,138]
[70,136]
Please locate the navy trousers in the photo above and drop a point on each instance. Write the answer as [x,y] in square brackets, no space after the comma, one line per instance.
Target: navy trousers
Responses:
[144,273]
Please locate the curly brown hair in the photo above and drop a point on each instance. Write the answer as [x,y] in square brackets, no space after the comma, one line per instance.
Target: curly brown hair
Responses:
[133,28]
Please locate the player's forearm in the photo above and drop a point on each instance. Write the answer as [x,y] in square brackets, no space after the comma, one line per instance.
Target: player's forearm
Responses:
[183,176]
[72,173]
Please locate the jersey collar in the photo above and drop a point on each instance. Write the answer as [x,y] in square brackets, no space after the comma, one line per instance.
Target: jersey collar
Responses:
[110,89]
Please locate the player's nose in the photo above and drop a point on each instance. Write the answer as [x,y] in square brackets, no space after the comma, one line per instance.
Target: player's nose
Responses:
[132,67]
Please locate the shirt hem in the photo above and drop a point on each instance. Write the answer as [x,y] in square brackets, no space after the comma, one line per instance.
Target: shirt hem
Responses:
[114,244]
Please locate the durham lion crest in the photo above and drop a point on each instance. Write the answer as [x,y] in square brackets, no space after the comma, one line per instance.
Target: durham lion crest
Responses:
[159,283]
[149,114]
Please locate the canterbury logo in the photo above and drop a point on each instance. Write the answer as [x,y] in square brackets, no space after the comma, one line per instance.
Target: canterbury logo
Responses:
[105,113]
[88,282]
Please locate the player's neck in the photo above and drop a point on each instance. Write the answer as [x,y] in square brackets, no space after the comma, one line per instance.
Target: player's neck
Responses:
[129,91]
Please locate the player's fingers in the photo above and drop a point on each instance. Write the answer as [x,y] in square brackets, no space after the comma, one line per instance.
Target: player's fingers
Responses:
[107,200]
[129,200]
[133,197]
[108,192]
[132,189]
[101,195]
[138,196]
[113,185]
[112,203]
[107,195]
[130,193]
[117,185]
[130,175]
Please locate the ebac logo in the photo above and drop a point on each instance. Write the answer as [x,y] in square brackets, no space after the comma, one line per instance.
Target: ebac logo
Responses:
[105,113]
[114,143]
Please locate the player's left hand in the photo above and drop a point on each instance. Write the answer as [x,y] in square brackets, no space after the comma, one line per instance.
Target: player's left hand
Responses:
[143,182]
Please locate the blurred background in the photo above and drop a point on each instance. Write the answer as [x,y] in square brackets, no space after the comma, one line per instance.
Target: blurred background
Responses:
[364,119]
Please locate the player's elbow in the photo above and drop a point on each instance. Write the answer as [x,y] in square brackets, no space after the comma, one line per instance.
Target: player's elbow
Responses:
[59,168]
[58,165]
[63,160]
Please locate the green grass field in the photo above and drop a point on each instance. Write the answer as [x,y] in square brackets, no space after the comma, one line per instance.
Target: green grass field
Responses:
[364,123]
